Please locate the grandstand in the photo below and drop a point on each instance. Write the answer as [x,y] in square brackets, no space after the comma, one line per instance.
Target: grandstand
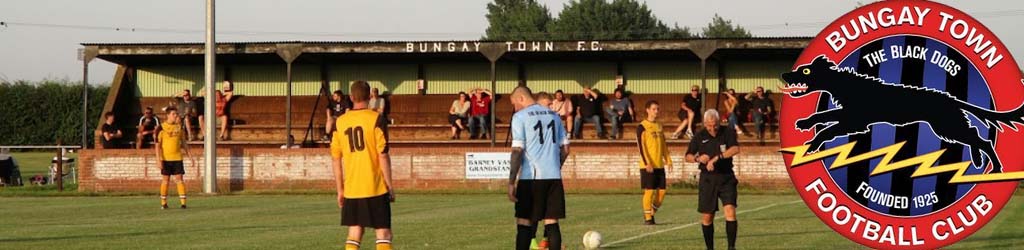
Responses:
[420,79]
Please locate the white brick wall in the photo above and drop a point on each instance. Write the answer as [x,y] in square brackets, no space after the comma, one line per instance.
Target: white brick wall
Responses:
[315,166]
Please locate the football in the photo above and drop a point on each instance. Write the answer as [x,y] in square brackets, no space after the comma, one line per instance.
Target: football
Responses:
[592,240]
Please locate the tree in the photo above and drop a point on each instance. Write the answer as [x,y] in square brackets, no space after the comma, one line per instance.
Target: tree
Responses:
[721,28]
[517,20]
[618,20]
[679,32]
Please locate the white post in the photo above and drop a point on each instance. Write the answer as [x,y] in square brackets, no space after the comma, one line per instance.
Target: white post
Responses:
[209,142]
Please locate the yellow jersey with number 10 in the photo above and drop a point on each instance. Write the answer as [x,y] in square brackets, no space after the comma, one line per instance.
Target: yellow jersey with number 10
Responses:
[359,141]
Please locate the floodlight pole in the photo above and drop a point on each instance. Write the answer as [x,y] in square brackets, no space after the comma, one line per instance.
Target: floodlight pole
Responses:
[209,142]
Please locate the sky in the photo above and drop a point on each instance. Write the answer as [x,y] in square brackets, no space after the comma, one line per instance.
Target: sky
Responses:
[41,38]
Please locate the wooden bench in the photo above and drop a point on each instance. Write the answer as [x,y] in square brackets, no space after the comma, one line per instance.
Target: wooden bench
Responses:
[414,117]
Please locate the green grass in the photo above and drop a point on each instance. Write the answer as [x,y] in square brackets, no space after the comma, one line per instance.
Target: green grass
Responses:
[421,221]
[33,163]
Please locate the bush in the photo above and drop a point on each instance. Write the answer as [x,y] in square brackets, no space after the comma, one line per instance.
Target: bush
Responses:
[40,113]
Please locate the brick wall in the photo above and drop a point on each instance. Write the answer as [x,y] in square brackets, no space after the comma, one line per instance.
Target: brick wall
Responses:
[424,168]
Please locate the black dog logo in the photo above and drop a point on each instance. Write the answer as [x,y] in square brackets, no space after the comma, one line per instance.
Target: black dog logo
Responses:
[862,101]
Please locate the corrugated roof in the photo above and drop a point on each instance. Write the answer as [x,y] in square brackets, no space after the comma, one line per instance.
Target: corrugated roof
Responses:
[425,41]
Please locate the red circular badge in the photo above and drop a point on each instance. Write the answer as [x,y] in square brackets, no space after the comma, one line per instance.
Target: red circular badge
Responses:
[899,122]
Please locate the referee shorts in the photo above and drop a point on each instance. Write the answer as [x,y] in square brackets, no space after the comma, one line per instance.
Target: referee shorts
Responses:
[715,187]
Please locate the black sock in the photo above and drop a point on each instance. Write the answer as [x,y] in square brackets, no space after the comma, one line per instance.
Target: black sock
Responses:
[554,234]
[709,235]
[730,231]
[524,234]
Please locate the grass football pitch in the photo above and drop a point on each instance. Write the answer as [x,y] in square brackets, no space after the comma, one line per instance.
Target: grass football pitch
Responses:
[421,221]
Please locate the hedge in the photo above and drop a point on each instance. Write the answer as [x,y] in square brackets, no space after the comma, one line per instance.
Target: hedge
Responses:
[40,113]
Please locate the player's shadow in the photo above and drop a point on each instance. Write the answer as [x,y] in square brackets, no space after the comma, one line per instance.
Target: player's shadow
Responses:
[122,235]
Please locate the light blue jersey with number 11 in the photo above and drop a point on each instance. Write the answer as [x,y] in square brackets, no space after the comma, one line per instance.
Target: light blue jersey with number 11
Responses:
[539,131]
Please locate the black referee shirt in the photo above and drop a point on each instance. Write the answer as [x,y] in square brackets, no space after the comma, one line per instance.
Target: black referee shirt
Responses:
[704,143]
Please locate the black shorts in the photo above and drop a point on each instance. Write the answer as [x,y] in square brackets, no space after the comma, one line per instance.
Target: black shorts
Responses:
[654,180]
[540,199]
[714,187]
[146,139]
[173,168]
[372,212]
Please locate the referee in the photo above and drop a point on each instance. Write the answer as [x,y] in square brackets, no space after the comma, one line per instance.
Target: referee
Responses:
[712,149]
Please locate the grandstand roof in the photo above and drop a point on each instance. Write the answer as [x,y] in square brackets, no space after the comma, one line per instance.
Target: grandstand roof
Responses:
[315,51]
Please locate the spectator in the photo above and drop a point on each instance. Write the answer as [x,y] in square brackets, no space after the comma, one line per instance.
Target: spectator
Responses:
[147,127]
[110,133]
[222,101]
[479,113]
[620,111]
[189,109]
[575,100]
[742,110]
[544,99]
[731,105]
[336,107]
[10,174]
[691,105]
[590,110]
[564,108]
[376,102]
[763,109]
[458,115]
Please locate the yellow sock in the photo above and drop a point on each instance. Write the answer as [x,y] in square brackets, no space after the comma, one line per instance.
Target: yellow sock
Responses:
[383,244]
[352,244]
[181,192]
[648,211]
[163,193]
[659,199]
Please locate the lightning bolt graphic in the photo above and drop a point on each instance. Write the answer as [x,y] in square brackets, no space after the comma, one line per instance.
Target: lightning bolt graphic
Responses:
[925,162]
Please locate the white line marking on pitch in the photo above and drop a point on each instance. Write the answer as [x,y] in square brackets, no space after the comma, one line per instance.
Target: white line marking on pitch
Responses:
[695,223]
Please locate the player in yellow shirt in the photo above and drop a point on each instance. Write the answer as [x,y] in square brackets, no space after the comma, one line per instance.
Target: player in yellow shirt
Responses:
[169,145]
[654,156]
[362,170]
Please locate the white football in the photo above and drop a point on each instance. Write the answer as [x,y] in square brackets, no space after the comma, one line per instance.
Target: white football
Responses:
[592,240]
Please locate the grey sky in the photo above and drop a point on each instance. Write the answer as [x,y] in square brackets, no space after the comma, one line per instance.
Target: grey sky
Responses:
[33,52]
